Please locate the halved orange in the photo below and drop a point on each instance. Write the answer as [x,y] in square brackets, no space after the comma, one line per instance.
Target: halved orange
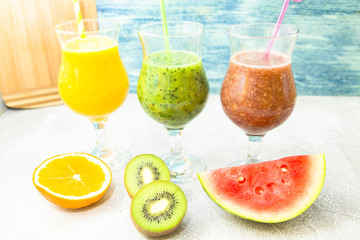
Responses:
[72,180]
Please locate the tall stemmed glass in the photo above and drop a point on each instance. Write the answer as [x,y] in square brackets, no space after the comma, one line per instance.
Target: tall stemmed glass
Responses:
[92,81]
[258,93]
[173,87]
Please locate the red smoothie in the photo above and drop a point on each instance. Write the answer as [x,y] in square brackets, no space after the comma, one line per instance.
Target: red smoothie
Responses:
[258,94]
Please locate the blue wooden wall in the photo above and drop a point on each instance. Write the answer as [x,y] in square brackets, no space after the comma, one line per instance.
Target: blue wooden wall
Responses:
[326,59]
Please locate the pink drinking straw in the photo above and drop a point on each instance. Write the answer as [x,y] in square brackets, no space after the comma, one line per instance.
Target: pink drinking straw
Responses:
[277,26]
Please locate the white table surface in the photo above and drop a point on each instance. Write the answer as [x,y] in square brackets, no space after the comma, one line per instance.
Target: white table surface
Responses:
[329,125]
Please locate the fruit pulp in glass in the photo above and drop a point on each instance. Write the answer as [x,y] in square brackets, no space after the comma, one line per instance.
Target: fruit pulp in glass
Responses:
[258,93]
[92,81]
[172,87]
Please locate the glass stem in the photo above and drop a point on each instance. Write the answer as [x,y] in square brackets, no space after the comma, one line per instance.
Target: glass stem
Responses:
[254,149]
[100,137]
[176,154]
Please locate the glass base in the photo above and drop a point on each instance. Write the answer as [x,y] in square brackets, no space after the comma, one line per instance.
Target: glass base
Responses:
[236,163]
[116,159]
[184,168]
[243,162]
[275,148]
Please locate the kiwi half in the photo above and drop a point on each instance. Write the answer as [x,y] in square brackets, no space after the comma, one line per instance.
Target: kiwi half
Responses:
[144,169]
[158,208]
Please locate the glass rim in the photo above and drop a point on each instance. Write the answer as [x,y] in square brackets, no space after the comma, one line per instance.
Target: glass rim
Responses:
[142,30]
[294,32]
[76,32]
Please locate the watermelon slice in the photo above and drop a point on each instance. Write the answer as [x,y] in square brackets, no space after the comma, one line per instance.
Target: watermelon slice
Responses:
[270,192]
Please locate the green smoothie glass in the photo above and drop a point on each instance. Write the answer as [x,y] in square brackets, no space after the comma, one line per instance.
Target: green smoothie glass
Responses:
[173,87]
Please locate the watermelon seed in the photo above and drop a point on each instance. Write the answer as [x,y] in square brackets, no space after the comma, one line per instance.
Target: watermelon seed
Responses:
[284,168]
[270,186]
[241,179]
[259,190]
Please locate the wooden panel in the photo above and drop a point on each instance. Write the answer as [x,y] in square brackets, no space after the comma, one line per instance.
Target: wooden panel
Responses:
[36,98]
[29,50]
[326,59]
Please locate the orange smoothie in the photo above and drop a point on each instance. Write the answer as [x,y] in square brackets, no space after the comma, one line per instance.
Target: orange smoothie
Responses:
[92,81]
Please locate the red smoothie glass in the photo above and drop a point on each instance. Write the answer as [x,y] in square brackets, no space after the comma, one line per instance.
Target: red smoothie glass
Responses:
[258,93]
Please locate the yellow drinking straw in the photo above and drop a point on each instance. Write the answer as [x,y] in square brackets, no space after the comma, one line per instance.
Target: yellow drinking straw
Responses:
[79,17]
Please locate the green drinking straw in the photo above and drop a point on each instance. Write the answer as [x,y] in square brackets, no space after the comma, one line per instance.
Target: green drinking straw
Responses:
[164,24]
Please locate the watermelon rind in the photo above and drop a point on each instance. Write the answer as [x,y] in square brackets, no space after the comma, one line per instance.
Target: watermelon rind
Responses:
[318,170]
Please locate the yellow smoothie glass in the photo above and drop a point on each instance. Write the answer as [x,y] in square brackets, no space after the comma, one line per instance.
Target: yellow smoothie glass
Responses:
[92,80]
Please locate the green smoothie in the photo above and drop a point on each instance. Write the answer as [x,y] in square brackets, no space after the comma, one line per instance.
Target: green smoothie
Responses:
[172,87]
